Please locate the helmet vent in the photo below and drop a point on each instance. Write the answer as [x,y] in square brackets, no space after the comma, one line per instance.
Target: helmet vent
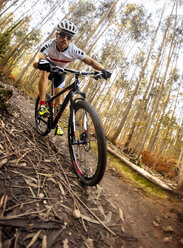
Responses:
[66,26]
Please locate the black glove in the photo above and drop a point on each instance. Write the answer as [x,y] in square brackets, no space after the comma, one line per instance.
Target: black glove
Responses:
[44,65]
[106,74]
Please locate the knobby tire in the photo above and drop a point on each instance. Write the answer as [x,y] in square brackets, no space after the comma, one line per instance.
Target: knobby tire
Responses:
[96,146]
[41,122]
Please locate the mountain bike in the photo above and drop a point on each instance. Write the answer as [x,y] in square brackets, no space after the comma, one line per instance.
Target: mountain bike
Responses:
[86,137]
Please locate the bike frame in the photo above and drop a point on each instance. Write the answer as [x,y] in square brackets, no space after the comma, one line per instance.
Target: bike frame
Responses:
[73,90]
[80,116]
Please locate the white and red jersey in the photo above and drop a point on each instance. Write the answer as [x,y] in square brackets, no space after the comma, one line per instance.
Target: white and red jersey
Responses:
[61,58]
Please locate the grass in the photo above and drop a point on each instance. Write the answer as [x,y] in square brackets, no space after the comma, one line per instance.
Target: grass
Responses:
[149,188]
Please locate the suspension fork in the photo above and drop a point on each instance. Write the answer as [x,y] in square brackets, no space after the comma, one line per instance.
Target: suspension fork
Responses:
[85,123]
[72,119]
[84,135]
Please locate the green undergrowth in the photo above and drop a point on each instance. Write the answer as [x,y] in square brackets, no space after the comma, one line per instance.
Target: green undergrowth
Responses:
[140,182]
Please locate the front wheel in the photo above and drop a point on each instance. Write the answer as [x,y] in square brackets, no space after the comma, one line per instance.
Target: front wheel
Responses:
[87,144]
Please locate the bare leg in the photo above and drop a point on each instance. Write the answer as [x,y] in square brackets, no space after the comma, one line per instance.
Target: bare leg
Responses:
[43,84]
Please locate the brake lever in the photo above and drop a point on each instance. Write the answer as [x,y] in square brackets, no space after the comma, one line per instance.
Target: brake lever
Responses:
[99,76]
[59,70]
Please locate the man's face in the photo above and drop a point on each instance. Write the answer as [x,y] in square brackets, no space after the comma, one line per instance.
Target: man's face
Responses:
[63,40]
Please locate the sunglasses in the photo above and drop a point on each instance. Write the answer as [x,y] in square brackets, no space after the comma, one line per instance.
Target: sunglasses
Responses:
[63,35]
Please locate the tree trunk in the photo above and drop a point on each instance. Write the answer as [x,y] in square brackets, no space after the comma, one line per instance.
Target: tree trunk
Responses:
[95,29]
[11,14]
[2,2]
[178,139]
[125,114]
[157,100]
[2,13]
[180,181]
[35,29]
[170,56]
[151,78]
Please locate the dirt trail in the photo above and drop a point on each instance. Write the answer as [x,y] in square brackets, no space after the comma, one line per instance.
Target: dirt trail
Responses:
[133,218]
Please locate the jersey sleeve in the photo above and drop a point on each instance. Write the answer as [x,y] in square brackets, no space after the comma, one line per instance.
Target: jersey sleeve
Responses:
[78,53]
[46,47]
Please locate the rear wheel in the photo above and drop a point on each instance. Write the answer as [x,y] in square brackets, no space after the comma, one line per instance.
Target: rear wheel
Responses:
[87,144]
[42,123]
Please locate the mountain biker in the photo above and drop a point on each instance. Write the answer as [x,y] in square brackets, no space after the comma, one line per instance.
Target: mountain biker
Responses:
[60,51]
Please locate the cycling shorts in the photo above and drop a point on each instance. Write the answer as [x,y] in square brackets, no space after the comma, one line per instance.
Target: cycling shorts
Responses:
[59,81]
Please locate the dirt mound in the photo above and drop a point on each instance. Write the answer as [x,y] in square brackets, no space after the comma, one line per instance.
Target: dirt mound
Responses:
[40,195]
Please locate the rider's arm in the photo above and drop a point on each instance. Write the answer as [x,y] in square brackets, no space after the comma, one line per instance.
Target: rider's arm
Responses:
[96,65]
[37,58]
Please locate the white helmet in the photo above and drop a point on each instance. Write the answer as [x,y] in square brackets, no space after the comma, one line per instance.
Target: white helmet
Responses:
[67,27]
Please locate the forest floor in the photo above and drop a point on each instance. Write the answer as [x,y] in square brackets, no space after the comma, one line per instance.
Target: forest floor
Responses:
[39,194]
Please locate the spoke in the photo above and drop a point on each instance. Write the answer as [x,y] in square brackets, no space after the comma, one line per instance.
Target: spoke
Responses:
[41,122]
[87,144]
[42,119]
[85,154]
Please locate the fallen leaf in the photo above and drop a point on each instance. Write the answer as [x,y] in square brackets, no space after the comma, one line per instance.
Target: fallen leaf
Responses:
[28,181]
[3,204]
[44,242]
[52,179]
[121,215]
[1,147]
[3,162]
[28,236]
[89,219]
[25,176]
[23,164]
[34,238]
[108,218]
[61,188]
[89,243]
[65,243]
[101,210]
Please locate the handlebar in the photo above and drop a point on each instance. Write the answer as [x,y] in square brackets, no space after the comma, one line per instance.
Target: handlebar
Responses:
[60,70]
